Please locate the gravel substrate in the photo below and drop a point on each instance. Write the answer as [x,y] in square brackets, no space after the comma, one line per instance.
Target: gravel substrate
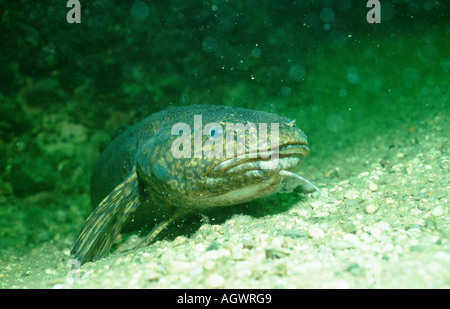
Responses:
[386,227]
[376,112]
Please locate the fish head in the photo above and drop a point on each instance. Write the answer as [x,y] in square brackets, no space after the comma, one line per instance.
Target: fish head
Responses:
[220,158]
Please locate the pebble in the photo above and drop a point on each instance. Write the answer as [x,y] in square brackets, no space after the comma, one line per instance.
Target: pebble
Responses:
[179,240]
[215,281]
[353,239]
[50,271]
[307,188]
[351,194]
[371,209]
[438,211]
[373,187]
[216,254]
[237,256]
[248,243]
[321,214]
[390,201]
[315,232]
[180,266]
[315,194]
[209,265]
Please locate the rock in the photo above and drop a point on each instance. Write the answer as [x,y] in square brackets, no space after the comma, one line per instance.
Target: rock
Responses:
[248,243]
[353,239]
[307,188]
[351,194]
[315,232]
[215,281]
[437,211]
[373,187]
[181,266]
[179,240]
[390,201]
[371,209]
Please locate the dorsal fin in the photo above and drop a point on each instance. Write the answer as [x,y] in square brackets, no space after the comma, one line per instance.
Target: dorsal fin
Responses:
[104,224]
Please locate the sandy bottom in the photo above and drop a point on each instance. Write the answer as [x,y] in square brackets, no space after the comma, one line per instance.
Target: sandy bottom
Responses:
[385,227]
[381,160]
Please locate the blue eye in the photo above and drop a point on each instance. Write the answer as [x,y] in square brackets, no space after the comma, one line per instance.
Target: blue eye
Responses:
[215,132]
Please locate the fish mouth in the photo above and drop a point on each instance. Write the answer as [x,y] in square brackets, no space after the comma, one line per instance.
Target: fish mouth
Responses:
[287,157]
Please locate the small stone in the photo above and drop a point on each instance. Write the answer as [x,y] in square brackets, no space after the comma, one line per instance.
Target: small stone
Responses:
[215,281]
[209,265]
[50,271]
[315,232]
[438,211]
[180,266]
[180,240]
[307,188]
[351,194]
[390,201]
[353,239]
[371,209]
[373,187]
[212,255]
[248,243]
[315,194]
[237,256]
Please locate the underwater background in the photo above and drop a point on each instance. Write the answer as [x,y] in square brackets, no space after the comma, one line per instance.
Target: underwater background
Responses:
[373,100]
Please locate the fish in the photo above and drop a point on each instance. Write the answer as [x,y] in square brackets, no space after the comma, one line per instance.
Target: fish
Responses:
[143,177]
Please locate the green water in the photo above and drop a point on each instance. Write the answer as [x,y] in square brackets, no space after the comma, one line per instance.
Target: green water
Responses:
[368,96]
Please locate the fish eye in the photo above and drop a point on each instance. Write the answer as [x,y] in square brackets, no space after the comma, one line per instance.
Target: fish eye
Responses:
[215,132]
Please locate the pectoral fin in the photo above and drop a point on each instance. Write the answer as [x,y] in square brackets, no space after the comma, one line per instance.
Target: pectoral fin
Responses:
[104,224]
